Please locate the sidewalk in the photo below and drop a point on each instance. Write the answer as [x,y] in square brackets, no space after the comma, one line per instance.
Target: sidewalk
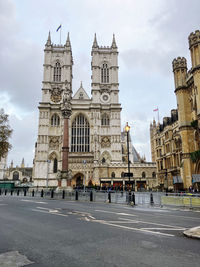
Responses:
[193,232]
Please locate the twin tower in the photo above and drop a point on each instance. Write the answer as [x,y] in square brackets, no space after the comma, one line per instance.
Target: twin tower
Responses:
[94,123]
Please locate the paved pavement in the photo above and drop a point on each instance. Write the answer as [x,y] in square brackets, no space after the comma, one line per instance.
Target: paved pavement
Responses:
[35,232]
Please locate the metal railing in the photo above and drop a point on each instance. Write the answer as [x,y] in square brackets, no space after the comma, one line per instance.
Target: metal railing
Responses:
[119,197]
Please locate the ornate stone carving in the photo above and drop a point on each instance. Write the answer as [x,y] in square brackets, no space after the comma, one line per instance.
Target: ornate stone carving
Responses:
[56,95]
[54,142]
[105,141]
[66,101]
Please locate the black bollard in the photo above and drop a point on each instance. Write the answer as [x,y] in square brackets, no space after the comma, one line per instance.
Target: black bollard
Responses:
[151,199]
[33,193]
[63,194]
[5,192]
[0,191]
[25,192]
[129,197]
[18,192]
[133,198]
[11,192]
[91,196]
[76,195]
[42,193]
[109,197]
[52,193]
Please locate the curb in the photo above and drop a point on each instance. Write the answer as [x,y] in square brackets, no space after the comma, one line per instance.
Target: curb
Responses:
[193,232]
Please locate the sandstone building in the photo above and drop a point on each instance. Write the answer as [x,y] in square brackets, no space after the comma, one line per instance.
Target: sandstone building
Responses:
[97,148]
[175,144]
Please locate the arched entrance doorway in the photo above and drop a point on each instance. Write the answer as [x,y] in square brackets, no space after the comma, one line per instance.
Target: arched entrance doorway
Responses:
[78,180]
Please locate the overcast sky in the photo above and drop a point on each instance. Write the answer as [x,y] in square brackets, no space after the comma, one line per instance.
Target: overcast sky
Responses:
[149,35]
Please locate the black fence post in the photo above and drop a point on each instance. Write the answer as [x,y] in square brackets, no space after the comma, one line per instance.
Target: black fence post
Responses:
[129,197]
[25,192]
[33,193]
[18,192]
[133,198]
[11,192]
[109,197]
[5,192]
[91,196]
[0,191]
[52,193]
[76,195]
[42,193]
[63,194]
[151,199]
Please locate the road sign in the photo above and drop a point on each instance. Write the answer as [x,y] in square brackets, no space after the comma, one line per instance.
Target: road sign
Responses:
[126,174]
[84,161]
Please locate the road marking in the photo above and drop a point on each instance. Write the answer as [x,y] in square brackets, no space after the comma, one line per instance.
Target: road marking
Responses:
[135,229]
[38,202]
[160,224]
[171,229]
[48,212]
[14,259]
[117,213]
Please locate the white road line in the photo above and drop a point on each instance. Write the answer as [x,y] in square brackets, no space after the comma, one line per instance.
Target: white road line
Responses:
[160,224]
[32,201]
[171,229]
[52,213]
[117,213]
[136,229]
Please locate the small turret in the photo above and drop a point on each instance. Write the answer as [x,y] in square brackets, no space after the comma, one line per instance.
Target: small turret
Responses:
[48,43]
[22,164]
[180,72]
[194,46]
[11,164]
[95,44]
[68,43]
[114,46]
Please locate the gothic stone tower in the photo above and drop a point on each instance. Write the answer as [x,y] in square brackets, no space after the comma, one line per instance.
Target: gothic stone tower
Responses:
[95,123]
[57,74]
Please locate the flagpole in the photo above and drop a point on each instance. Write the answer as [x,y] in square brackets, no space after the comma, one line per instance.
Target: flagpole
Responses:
[158,116]
[60,33]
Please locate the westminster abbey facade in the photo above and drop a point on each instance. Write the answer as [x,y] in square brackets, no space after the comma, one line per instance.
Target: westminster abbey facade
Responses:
[97,147]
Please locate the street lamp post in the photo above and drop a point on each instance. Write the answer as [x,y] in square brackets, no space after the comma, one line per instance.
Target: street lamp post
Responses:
[127,129]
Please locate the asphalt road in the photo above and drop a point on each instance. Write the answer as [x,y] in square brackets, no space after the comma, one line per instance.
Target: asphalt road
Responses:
[41,232]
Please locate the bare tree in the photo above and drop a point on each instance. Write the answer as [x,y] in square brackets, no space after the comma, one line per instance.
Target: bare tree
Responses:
[5,133]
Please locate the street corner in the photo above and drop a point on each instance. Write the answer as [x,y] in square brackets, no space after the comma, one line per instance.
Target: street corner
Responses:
[193,232]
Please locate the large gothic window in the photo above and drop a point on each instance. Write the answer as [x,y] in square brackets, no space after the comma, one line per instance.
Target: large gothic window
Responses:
[55,120]
[105,121]
[55,165]
[80,137]
[57,72]
[105,73]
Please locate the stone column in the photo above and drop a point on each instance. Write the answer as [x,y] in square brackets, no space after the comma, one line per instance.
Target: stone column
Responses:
[66,112]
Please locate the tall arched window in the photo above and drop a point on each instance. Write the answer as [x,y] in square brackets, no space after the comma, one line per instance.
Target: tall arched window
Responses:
[55,165]
[143,174]
[113,175]
[105,121]
[57,72]
[105,73]
[80,137]
[55,120]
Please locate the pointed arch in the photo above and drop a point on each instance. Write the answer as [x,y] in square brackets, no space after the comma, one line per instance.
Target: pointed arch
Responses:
[55,120]
[105,119]
[104,73]
[57,72]
[80,134]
